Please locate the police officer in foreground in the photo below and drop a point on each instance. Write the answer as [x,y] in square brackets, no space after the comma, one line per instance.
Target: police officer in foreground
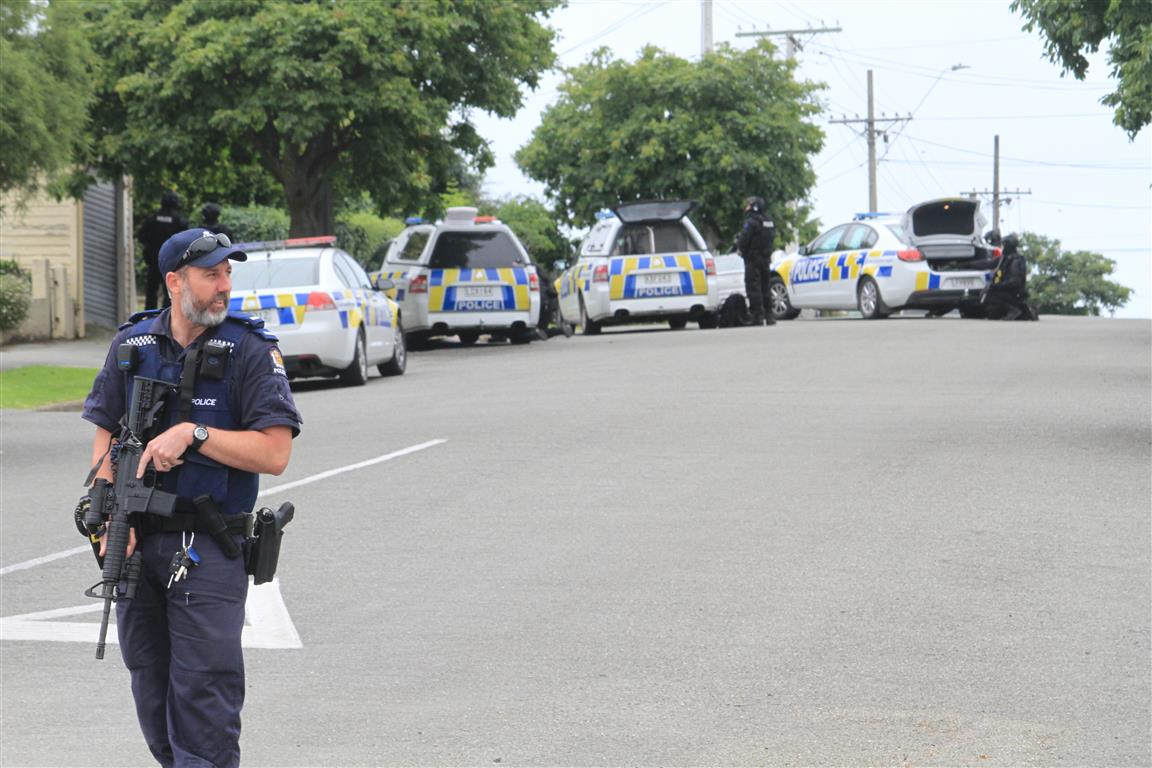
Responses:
[1006,297]
[180,639]
[755,243]
[153,232]
[210,219]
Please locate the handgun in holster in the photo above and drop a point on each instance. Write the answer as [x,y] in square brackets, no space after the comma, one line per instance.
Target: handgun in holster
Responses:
[264,545]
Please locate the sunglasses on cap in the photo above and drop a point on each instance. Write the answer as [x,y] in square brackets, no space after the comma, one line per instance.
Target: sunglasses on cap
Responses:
[202,245]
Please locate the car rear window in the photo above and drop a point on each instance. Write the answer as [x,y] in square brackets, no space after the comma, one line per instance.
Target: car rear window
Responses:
[475,250]
[641,239]
[273,272]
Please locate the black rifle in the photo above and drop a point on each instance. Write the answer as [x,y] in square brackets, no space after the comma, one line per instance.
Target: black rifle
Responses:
[114,504]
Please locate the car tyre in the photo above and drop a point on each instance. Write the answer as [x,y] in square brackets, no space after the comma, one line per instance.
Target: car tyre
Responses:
[399,362]
[709,321]
[588,326]
[678,323]
[356,374]
[869,301]
[468,338]
[778,302]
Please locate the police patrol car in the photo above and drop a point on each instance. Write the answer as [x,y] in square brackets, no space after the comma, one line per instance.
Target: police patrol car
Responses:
[465,276]
[320,303]
[879,263]
[643,262]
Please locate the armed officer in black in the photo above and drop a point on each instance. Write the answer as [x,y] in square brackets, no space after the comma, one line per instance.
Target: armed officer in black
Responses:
[1007,295]
[756,242]
[153,232]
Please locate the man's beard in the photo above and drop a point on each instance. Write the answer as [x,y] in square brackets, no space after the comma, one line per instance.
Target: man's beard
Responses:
[202,316]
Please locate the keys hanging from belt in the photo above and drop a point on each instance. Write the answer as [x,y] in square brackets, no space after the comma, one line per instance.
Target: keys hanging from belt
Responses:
[185,558]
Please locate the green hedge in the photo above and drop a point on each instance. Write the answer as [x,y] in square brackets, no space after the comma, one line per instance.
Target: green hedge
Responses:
[15,295]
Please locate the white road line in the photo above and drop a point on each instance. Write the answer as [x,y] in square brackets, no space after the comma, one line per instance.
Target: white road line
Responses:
[266,492]
[46,559]
[349,468]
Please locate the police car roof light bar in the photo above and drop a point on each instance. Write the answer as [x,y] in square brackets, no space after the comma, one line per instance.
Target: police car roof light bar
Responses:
[871,215]
[280,245]
[414,220]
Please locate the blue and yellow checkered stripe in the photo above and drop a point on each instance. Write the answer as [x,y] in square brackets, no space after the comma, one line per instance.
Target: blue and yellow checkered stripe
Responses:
[622,281]
[513,282]
[353,307]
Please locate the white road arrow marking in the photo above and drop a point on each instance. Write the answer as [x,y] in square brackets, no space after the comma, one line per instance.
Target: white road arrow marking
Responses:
[266,622]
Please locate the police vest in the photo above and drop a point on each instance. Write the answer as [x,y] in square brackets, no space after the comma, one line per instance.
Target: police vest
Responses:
[233,490]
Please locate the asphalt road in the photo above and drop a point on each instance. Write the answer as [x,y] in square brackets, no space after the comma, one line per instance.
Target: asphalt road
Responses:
[833,542]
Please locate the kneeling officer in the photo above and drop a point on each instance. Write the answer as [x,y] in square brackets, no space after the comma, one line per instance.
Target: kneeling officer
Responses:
[228,416]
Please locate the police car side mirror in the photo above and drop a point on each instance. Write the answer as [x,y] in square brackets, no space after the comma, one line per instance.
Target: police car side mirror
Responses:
[381,283]
[804,250]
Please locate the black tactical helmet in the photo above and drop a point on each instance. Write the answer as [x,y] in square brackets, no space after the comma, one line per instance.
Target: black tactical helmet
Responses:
[754,204]
[993,237]
[210,212]
[170,200]
[1011,243]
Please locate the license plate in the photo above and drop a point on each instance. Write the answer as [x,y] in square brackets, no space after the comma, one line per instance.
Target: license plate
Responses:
[479,292]
[966,282]
[663,278]
[270,317]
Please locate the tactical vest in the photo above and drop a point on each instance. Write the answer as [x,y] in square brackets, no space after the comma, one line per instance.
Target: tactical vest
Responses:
[233,490]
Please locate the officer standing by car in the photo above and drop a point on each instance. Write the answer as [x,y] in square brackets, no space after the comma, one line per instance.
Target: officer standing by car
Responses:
[153,232]
[227,420]
[755,243]
[210,219]
[1006,297]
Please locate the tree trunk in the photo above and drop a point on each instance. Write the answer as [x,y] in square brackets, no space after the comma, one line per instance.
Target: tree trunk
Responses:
[309,198]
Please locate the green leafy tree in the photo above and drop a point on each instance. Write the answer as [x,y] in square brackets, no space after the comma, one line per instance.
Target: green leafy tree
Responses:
[1072,28]
[329,97]
[1069,282]
[716,131]
[45,90]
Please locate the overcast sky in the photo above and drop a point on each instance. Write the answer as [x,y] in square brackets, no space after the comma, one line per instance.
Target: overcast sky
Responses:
[1090,187]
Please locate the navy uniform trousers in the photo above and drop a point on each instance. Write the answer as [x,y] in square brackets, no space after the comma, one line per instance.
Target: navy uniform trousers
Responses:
[182,648]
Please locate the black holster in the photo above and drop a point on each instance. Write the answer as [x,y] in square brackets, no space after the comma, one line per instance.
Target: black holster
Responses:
[263,548]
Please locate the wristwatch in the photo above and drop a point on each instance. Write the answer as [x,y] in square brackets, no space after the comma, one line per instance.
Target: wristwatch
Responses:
[199,436]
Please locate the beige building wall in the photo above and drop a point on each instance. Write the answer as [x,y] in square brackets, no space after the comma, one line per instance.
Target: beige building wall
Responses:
[46,238]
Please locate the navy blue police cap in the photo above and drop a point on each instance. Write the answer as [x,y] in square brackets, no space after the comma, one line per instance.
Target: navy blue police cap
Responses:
[197,247]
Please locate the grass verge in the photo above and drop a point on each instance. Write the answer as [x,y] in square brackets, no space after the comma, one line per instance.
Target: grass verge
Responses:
[35,386]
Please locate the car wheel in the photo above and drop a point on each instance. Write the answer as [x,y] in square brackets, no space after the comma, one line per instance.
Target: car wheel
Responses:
[588,326]
[399,362]
[468,338]
[709,320]
[356,374]
[678,323]
[778,303]
[869,301]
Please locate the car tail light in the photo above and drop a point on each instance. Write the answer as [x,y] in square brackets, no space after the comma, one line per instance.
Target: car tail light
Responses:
[710,267]
[911,254]
[319,300]
[418,284]
[600,274]
[533,282]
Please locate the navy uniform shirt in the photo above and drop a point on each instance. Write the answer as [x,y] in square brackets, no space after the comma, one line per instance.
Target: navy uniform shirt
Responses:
[258,383]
